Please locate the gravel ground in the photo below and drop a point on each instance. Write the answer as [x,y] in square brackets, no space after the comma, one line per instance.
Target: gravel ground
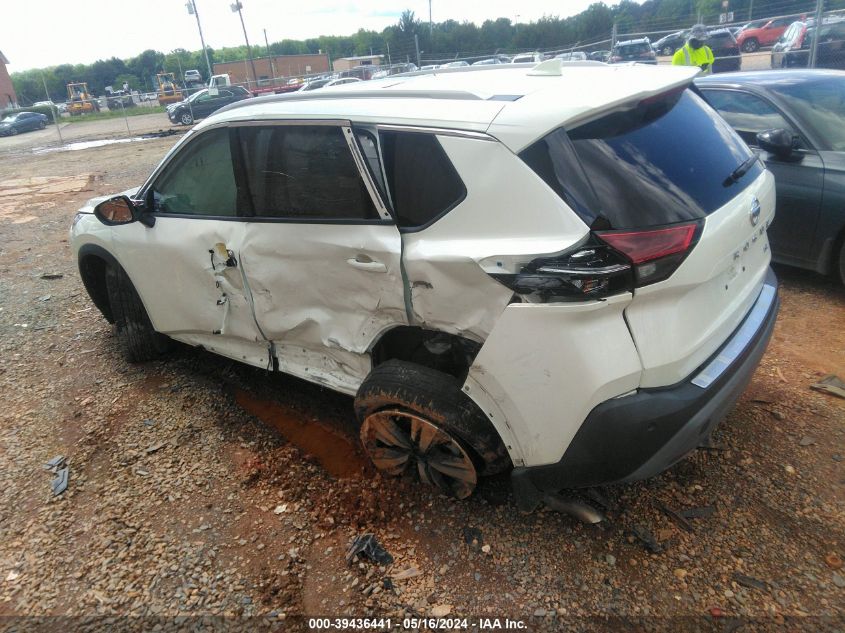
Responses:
[186,497]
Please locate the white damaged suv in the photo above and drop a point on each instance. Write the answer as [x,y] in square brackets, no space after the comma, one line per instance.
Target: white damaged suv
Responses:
[560,269]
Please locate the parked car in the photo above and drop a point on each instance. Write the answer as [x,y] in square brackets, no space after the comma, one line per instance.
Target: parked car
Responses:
[573,56]
[793,49]
[541,282]
[795,120]
[119,99]
[314,84]
[193,76]
[202,103]
[726,53]
[668,44]
[342,81]
[488,62]
[633,51]
[22,122]
[599,56]
[456,64]
[751,38]
[527,58]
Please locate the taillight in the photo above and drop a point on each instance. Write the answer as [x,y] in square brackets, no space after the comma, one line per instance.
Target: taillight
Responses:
[589,271]
[654,253]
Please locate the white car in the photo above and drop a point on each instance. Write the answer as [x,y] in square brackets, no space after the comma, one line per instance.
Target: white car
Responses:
[507,268]
[342,81]
[527,58]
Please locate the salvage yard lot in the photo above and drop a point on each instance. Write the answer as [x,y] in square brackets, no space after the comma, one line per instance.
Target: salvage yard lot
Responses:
[199,486]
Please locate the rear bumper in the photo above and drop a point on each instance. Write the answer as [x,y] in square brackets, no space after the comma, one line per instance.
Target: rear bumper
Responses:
[638,436]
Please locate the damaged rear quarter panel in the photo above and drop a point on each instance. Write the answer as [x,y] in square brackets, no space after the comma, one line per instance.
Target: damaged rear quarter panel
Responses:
[493,229]
[545,366]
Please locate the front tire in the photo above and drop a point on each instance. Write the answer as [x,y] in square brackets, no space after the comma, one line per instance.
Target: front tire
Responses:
[138,340]
[13,131]
[416,421]
[185,118]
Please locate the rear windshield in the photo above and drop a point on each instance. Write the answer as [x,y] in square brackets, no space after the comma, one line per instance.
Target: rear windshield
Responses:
[667,160]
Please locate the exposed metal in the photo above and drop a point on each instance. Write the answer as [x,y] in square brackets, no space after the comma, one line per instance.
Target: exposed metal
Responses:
[574,508]
[400,442]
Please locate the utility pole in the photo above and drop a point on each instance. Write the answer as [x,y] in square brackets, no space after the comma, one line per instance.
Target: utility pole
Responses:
[613,36]
[236,8]
[815,45]
[388,54]
[192,10]
[750,9]
[270,55]
[417,46]
[54,110]
[430,23]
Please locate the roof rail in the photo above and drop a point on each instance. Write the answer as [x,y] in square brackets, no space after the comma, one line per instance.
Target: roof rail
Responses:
[327,95]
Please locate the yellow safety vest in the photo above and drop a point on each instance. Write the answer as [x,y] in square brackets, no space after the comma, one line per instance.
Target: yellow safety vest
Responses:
[688,56]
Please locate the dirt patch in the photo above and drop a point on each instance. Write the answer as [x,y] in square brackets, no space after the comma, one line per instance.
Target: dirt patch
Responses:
[336,453]
[37,193]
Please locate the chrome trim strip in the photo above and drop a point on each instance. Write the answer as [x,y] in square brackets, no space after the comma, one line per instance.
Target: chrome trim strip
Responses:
[440,131]
[739,341]
[349,135]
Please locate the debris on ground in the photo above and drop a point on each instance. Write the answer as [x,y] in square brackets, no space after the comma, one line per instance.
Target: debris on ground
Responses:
[644,536]
[807,441]
[833,560]
[59,483]
[51,275]
[830,384]
[704,512]
[57,462]
[677,518]
[472,537]
[750,582]
[367,546]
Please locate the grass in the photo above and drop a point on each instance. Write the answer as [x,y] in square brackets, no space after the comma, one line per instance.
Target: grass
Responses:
[116,114]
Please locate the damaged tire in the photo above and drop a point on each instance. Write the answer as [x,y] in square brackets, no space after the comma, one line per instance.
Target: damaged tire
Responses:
[138,340]
[416,421]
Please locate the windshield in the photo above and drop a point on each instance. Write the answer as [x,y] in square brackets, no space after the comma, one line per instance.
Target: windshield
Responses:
[196,95]
[633,49]
[9,119]
[820,104]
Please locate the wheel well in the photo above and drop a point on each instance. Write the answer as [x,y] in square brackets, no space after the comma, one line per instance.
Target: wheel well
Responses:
[92,269]
[449,353]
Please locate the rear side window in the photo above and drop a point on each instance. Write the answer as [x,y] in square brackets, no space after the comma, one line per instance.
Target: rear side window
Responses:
[301,172]
[422,180]
[667,160]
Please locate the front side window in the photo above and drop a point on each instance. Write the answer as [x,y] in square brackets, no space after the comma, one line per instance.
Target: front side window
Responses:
[746,113]
[301,172]
[199,180]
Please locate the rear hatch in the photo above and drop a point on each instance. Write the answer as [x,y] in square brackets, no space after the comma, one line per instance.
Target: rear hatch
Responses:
[669,185]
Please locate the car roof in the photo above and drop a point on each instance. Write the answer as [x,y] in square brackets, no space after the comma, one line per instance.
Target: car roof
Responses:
[642,40]
[516,103]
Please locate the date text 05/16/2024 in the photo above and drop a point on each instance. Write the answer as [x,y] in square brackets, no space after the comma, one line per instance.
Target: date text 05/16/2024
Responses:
[387,624]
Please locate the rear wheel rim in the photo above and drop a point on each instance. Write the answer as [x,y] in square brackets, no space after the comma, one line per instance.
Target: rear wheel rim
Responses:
[399,442]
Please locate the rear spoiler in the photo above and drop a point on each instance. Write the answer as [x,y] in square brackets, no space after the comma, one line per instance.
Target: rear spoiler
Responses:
[584,93]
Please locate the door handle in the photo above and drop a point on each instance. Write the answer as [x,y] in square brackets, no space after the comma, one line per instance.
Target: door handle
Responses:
[370,266]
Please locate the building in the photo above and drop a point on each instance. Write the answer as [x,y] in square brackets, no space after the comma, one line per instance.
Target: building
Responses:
[8,98]
[347,63]
[284,66]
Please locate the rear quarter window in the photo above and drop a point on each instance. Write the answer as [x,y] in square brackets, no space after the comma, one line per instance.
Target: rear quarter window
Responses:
[423,183]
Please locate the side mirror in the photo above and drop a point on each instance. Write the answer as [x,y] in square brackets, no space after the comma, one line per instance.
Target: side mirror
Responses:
[778,142]
[121,210]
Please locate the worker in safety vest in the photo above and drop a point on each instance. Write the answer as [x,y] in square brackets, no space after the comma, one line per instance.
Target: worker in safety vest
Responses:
[695,52]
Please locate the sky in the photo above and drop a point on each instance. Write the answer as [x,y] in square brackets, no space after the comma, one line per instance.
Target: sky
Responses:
[82,31]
